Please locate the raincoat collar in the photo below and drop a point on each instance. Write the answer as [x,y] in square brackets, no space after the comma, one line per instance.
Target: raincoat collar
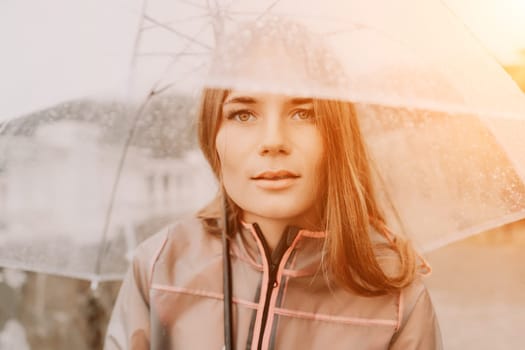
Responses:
[307,248]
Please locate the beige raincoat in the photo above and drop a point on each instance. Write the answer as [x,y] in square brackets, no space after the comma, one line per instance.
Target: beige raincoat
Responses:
[172,298]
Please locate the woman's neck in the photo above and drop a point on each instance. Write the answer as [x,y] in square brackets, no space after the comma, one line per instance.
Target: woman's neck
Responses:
[273,229]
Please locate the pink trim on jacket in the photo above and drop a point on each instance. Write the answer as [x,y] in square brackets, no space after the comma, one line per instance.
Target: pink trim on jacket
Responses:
[156,257]
[271,310]
[264,288]
[313,234]
[400,311]
[249,261]
[335,319]
[203,293]
[285,291]
[300,273]
[234,248]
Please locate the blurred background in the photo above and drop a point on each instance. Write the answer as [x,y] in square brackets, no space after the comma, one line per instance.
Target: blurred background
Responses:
[480,302]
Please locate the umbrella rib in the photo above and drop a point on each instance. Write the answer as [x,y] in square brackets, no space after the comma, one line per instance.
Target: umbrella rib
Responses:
[469,31]
[114,188]
[175,58]
[126,145]
[168,28]
[171,54]
[187,2]
[4,160]
[268,9]
[352,27]
[175,21]
[136,44]
[156,91]
[121,166]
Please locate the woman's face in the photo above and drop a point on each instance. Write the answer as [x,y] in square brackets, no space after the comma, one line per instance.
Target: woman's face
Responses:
[270,152]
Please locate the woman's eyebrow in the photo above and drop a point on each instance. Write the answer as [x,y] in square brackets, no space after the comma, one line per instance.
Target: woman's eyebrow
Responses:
[251,100]
[300,101]
[241,99]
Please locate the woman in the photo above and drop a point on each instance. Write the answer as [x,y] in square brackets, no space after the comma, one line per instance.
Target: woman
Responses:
[313,265]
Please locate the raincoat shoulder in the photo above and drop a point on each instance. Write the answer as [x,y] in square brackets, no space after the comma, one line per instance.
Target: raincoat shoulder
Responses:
[417,326]
[129,327]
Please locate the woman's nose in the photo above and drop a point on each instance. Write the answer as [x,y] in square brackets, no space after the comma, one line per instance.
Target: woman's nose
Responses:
[274,139]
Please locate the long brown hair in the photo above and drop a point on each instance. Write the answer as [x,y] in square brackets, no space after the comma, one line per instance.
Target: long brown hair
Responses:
[350,208]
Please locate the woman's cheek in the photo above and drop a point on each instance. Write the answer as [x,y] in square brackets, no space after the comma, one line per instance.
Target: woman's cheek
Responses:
[220,143]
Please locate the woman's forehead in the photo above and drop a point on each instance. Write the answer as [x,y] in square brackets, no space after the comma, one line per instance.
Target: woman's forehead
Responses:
[250,97]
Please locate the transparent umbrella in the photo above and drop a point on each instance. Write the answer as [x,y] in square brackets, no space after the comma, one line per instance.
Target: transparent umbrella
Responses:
[83,180]
[70,204]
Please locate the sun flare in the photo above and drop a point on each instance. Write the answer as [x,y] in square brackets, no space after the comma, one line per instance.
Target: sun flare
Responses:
[498,24]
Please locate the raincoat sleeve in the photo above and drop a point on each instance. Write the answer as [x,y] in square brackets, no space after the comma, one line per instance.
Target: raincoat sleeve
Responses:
[419,328]
[129,325]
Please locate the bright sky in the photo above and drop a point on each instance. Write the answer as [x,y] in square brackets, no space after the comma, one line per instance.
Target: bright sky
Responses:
[498,24]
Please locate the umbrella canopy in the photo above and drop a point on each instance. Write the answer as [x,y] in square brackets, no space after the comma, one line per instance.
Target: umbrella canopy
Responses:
[441,119]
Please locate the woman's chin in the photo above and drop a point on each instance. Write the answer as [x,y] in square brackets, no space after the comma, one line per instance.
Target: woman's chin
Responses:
[278,211]
[290,204]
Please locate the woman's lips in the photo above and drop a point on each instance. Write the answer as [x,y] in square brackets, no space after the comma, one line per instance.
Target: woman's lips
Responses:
[275,180]
[275,175]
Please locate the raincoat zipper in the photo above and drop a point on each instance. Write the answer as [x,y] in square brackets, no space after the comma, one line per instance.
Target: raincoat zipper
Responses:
[274,261]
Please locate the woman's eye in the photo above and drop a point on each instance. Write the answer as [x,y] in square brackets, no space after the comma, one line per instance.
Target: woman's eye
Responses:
[303,114]
[242,116]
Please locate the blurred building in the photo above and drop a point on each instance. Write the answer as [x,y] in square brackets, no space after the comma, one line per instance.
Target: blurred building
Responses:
[55,186]
[55,191]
